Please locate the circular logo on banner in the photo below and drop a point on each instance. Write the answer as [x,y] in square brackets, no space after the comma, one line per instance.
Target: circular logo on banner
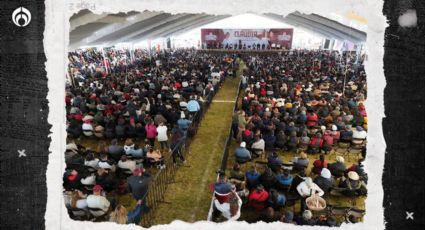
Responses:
[21,17]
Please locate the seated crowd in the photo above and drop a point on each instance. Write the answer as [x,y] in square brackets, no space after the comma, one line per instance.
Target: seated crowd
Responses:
[301,102]
[136,107]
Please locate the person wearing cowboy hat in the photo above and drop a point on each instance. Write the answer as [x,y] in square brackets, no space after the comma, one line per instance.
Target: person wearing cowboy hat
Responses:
[353,185]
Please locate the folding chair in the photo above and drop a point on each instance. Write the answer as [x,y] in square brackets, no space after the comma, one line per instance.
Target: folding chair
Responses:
[340,212]
[341,148]
[358,213]
[79,213]
[336,191]
[356,147]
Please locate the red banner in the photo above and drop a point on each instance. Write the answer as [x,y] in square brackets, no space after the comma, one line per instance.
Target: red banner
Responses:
[248,38]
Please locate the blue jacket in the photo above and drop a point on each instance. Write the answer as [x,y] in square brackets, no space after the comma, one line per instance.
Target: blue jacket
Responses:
[281,200]
[253,178]
[183,124]
[242,154]
[283,180]
[193,106]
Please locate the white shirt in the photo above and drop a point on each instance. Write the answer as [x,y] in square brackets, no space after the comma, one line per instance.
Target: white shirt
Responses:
[93,163]
[225,209]
[72,147]
[81,203]
[215,74]
[94,201]
[162,133]
[128,164]
[104,165]
[305,191]
[258,144]
[89,180]
[183,104]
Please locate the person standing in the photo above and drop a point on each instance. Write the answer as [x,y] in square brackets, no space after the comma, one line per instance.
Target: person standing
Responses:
[162,136]
[177,139]
[151,133]
[193,106]
[183,124]
[138,183]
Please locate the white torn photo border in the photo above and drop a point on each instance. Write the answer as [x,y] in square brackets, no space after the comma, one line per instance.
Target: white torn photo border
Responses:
[56,40]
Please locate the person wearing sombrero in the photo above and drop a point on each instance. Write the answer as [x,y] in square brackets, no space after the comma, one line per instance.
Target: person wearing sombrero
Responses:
[353,185]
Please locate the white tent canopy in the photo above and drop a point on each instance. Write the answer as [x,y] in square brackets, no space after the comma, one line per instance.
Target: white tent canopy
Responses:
[89,29]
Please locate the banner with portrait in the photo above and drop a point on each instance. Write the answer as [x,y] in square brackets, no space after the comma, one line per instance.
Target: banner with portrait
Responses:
[248,38]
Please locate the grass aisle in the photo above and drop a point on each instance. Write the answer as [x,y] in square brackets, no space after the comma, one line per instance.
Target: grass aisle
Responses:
[189,198]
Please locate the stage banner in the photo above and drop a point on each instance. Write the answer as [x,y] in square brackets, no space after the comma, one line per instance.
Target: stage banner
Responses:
[274,38]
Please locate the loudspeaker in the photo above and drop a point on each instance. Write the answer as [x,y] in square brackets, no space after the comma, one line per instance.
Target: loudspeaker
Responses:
[327,42]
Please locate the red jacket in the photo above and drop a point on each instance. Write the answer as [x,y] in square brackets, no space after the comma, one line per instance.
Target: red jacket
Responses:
[335,135]
[257,199]
[317,142]
[263,92]
[328,139]
[77,116]
[318,166]
[312,119]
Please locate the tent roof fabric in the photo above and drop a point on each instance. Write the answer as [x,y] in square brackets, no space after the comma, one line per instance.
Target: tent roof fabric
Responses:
[88,28]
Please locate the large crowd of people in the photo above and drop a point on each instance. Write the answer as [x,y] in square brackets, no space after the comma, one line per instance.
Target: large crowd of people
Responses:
[309,103]
[136,106]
